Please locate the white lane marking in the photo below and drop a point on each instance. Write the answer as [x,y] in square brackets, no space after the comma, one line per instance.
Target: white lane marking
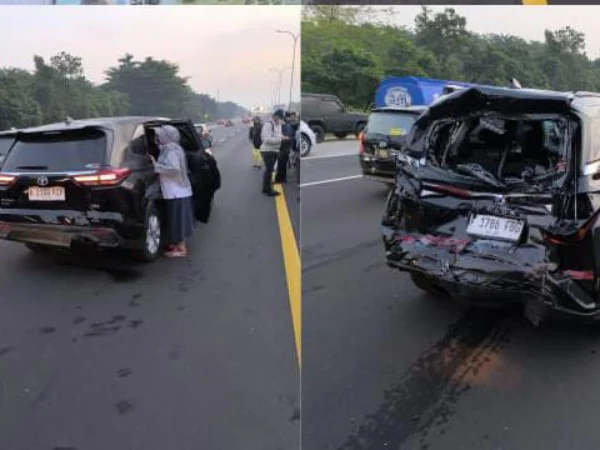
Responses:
[221,140]
[336,155]
[333,180]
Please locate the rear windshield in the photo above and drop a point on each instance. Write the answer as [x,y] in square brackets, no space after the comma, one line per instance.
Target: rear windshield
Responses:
[391,123]
[57,152]
[5,144]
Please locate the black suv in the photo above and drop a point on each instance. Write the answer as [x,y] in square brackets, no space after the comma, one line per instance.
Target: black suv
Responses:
[92,182]
[497,201]
[383,138]
[327,114]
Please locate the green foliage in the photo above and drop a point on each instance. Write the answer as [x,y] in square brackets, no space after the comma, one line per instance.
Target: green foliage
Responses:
[59,89]
[346,52]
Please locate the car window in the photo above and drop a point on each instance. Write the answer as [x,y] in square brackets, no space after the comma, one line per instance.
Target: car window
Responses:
[390,123]
[309,105]
[330,107]
[5,144]
[58,152]
[595,142]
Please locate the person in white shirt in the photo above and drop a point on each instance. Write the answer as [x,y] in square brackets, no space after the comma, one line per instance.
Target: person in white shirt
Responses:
[171,167]
[271,138]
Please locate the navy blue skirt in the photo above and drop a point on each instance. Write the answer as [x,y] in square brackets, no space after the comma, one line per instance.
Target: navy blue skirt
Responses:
[180,219]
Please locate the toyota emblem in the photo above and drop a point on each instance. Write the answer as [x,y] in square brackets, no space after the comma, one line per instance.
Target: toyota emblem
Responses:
[382,144]
[42,181]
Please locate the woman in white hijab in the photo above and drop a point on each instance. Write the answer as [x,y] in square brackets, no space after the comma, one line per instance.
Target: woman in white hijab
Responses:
[171,167]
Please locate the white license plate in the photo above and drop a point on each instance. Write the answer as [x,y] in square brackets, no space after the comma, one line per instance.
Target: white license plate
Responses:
[46,194]
[384,153]
[495,227]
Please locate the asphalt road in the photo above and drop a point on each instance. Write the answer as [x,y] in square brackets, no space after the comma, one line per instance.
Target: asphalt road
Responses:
[188,354]
[388,367]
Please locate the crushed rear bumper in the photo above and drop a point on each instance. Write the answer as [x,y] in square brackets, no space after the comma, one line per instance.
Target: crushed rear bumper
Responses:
[490,274]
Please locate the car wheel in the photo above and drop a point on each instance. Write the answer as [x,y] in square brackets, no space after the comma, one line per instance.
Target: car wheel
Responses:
[340,135]
[425,284]
[305,145]
[151,242]
[319,132]
[359,129]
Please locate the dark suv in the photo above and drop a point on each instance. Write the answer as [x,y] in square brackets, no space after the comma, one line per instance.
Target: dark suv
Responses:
[383,138]
[92,182]
[497,201]
[327,114]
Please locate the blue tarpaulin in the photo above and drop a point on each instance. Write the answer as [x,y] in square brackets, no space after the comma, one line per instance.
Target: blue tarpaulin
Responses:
[412,91]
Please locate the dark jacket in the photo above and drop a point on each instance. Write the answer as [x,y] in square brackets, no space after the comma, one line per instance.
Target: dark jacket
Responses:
[287,130]
[254,135]
[206,180]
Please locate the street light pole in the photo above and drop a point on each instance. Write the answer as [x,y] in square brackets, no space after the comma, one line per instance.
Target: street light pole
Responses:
[295,38]
[280,72]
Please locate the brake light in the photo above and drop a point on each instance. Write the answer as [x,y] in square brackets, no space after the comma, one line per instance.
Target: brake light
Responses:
[578,236]
[107,177]
[580,275]
[6,179]
[361,144]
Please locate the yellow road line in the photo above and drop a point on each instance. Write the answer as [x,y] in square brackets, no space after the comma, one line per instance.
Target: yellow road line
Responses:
[535,2]
[291,258]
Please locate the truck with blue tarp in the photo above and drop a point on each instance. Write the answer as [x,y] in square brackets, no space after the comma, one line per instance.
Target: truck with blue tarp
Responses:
[413,91]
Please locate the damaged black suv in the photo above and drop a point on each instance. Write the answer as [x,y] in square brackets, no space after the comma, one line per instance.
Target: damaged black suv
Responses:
[497,201]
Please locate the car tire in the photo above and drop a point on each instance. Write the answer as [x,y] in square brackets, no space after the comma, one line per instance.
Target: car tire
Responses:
[305,145]
[425,284]
[151,243]
[340,135]
[319,132]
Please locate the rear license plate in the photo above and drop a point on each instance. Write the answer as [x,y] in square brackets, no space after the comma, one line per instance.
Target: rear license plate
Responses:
[383,153]
[46,194]
[495,227]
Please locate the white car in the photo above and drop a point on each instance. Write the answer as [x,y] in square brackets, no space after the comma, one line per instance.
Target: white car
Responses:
[306,138]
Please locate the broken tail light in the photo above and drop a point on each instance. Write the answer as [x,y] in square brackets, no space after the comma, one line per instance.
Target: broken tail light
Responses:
[105,177]
[447,189]
[7,179]
[578,236]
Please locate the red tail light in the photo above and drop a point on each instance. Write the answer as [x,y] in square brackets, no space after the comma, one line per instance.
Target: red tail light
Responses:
[6,179]
[361,144]
[107,177]
[578,236]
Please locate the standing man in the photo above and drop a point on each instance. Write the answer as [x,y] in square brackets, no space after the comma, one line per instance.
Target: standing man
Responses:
[271,137]
[284,151]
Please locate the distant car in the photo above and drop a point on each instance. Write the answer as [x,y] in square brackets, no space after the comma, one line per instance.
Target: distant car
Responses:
[220,122]
[306,139]
[382,139]
[228,123]
[327,114]
[92,182]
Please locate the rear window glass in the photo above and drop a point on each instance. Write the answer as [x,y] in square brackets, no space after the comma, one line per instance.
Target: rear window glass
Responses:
[5,143]
[57,152]
[391,124]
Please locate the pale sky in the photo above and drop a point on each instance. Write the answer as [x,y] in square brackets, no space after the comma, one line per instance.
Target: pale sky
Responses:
[221,48]
[528,22]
